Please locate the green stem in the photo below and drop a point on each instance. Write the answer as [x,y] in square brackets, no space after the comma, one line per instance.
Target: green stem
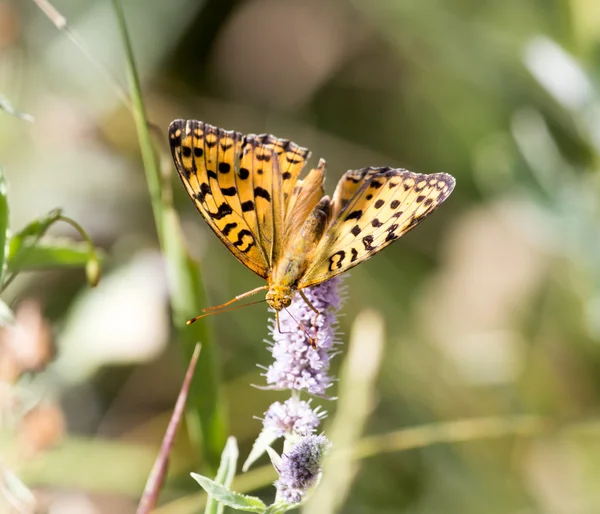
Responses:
[205,414]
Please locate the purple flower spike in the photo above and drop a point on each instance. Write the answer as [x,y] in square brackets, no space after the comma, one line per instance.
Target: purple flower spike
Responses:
[297,365]
[292,417]
[300,467]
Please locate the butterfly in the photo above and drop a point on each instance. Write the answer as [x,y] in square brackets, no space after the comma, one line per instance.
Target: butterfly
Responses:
[282,227]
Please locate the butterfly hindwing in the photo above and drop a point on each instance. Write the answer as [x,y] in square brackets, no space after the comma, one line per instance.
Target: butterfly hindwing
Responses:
[373,207]
[205,158]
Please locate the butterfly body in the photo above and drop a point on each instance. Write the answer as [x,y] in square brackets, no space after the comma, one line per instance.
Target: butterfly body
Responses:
[282,227]
[297,256]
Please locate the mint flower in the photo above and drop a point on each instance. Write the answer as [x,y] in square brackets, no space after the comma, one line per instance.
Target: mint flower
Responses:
[292,417]
[297,365]
[300,467]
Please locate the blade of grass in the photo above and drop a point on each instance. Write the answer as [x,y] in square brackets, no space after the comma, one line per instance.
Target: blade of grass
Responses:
[356,393]
[205,410]
[60,22]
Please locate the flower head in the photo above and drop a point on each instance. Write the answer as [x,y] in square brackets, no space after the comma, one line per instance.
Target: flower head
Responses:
[292,417]
[297,364]
[300,467]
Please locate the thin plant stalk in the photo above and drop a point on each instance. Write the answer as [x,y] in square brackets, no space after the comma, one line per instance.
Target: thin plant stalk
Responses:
[205,415]
[159,470]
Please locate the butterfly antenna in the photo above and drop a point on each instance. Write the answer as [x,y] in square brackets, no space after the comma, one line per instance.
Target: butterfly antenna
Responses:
[311,340]
[236,299]
[214,310]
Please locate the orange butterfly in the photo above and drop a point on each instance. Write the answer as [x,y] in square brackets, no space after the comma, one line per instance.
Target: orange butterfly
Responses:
[283,228]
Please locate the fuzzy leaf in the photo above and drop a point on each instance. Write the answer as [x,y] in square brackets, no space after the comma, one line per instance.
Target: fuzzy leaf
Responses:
[225,475]
[275,458]
[229,498]
[263,441]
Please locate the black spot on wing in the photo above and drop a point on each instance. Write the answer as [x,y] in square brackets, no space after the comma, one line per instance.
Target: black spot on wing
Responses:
[229,191]
[392,236]
[395,204]
[204,190]
[354,254]
[244,173]
[262,193]
[186,151]
[368,243]
[379,204]
[240,241]
[228,228]
[198,152]
[336,260]
[224,167]
[248,206]
[354,215]
[223,210]
[355,230]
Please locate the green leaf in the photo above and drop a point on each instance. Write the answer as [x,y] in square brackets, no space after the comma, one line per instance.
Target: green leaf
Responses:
[229,498]
[225,474]
[7,106]
[4,211]
[38,227]
[54,253]
[23,240]
[263,441]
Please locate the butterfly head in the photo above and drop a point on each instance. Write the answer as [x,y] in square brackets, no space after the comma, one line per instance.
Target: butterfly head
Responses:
[279,297]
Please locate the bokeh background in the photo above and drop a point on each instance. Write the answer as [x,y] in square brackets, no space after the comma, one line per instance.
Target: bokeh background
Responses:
[491,307]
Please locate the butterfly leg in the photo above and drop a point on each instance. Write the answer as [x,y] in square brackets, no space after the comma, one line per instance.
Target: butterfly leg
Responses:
[218,308]
[313,308]
[311,339]
[305,298]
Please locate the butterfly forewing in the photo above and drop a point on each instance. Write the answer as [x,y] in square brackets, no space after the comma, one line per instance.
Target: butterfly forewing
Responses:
[205,161]
[240,184]
[385,204]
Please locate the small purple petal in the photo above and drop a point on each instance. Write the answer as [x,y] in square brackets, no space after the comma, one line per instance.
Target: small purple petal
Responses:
[292,417]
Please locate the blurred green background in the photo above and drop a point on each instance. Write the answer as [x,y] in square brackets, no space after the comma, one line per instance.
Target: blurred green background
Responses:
[491,307]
